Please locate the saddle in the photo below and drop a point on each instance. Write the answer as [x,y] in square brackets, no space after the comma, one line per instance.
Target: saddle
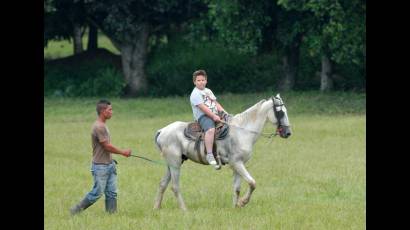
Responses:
[194,132]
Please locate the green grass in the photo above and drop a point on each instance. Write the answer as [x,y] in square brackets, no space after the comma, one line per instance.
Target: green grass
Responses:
[64,48]
[313,180]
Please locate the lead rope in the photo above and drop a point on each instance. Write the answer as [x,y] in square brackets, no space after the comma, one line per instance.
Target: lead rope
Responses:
[153,161]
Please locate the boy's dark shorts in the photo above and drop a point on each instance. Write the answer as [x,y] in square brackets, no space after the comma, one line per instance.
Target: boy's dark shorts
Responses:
[206,122]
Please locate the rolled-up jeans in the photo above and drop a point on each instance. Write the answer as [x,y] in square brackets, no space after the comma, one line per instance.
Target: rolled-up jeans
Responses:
[105,180]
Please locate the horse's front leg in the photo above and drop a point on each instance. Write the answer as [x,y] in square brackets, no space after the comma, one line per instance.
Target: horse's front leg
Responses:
[236,187]
[239,167]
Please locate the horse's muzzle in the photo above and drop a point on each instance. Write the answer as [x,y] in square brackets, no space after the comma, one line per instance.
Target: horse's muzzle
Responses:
[284,131]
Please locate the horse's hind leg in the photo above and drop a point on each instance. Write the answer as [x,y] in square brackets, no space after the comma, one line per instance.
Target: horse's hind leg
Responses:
[236,187]
[161,189]
[239,167]
[175,187]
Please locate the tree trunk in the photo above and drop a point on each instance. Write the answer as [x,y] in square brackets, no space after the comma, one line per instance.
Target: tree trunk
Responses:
[78,41]
[290,68]
[133,56]
[326,81]
[92,37]
[291,64]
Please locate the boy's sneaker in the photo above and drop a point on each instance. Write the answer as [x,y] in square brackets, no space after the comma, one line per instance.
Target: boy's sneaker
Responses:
[210,158]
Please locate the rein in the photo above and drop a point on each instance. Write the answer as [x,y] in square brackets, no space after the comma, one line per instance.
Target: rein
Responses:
[267,135]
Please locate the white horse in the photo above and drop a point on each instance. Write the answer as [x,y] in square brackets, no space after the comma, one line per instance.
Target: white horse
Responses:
[235,149]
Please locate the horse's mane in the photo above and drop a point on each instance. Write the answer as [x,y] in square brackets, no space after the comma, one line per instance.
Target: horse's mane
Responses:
[250,112]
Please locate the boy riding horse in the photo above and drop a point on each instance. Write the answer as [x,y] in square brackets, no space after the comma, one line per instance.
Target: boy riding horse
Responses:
[205,109]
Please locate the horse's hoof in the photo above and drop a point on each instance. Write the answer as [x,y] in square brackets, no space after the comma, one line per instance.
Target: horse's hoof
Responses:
[241,203]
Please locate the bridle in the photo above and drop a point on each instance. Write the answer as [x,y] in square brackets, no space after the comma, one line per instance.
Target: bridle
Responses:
[278,114]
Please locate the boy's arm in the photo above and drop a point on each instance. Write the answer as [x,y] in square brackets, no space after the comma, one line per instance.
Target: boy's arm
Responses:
[221,112]
[219,107]
[208,112]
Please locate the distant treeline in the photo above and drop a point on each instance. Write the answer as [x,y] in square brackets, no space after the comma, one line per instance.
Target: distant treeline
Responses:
[245,46]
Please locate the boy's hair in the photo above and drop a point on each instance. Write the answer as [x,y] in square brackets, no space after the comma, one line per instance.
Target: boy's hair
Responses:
[102,104]
[197,73]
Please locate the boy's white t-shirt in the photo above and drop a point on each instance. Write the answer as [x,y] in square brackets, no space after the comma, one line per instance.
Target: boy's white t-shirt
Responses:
[206,97]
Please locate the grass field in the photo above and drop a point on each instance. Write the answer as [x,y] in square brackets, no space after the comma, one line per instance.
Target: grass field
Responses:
[313,180]
[64,48]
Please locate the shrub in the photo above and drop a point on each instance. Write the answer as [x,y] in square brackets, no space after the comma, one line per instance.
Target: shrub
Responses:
[91,79]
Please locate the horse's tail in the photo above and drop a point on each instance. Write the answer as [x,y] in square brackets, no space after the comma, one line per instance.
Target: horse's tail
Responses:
[156,140]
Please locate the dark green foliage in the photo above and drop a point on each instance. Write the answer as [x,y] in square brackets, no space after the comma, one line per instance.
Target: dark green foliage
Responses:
[308,76]
[337,28]
[95,78]
[170,69]
[122,20]
[243,45]
[60,17]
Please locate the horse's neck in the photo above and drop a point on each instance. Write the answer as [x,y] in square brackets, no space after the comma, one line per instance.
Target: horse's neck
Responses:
[253,118]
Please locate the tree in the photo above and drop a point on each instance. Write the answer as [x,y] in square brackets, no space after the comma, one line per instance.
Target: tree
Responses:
[258,27]
[130,23]
[54,25]
[92,37]
[291,29]
[65,19]
[336,34]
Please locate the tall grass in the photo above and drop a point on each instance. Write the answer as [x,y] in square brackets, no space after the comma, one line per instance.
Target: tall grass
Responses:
[313,180]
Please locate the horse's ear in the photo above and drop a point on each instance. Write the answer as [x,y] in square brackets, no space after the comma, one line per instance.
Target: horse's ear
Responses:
[278,95]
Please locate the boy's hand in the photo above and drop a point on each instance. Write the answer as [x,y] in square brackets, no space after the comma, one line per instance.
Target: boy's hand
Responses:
[216,118]
[127,153]
[223,115]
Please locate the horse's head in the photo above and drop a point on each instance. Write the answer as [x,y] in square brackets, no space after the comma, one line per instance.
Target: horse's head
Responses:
[279,116]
